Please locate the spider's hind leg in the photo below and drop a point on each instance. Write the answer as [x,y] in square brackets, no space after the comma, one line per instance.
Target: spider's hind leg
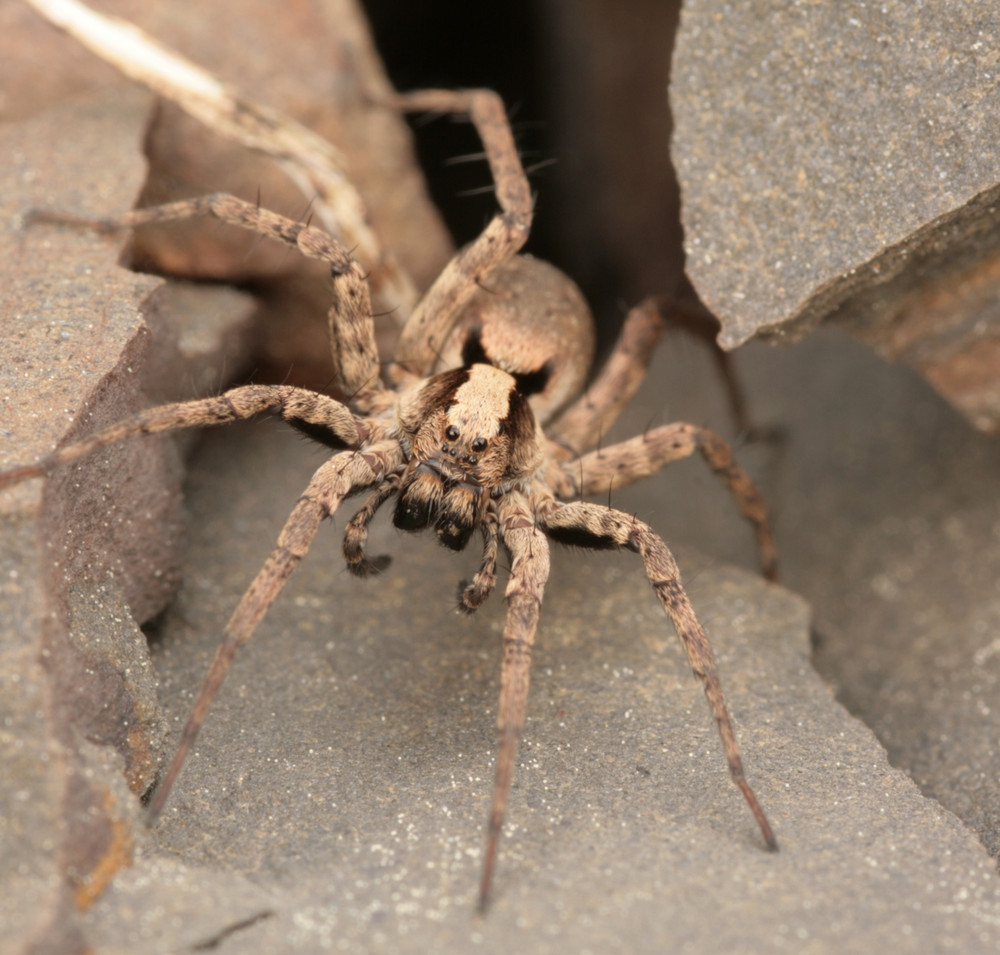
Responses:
[429,323]
[580,426]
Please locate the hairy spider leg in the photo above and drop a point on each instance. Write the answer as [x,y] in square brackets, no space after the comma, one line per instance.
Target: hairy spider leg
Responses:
[580,426]
[352,325]
[332,482]
[642,456]
[599,527]
[430,321]
[320,416]
[529,556]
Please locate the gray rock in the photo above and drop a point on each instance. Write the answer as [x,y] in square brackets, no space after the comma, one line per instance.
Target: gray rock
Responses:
[890,526]
[886,522]
[338,794]
[96,547]
[885,502]
[839,163]
[58,352]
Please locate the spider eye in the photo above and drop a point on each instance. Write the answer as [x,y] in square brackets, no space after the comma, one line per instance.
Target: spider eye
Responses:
[479,445]
[452,433]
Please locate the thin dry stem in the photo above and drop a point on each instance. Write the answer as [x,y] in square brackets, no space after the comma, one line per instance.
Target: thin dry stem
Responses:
[312,163]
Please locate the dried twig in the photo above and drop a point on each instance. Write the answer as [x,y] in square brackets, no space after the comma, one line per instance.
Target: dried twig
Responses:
[313,164]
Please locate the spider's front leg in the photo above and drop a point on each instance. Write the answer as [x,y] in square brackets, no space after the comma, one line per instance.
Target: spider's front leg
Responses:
[595,526]
[424,332]
[529,555]
[319,416]
[372,457]
[332,482]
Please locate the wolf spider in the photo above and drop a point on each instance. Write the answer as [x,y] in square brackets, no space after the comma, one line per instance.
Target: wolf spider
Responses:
[462,449]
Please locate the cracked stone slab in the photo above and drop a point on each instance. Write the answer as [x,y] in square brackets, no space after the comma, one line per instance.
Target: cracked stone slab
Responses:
[338,794]
[57,353]
[96,548]
[838,162]
[904,578]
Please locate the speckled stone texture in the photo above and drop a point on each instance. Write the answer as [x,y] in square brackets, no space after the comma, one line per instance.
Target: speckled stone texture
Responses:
[838,162]
[338,796]
[96,549]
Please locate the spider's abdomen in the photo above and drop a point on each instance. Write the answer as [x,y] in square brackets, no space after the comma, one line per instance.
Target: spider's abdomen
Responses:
[532,321]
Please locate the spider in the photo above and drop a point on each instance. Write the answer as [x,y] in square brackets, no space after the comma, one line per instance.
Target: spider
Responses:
[496,349]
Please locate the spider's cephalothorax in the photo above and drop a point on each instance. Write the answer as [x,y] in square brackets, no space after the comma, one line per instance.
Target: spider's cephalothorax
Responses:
[461,449]
[469,435]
